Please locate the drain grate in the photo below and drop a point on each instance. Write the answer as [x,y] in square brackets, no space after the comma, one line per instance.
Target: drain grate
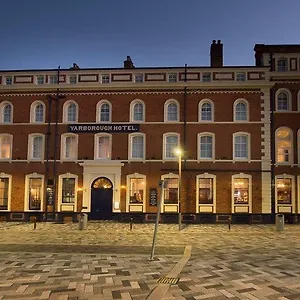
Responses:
[168,280]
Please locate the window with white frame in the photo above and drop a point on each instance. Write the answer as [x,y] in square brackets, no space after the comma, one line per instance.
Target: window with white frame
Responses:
[137,146]
[171,111]
[139,77]
[241,110]
[284,190]
[282,65]
[5,191]
[241,187]
[171,143]
[241,146]
[68,191]
[103,111]
[137,113]
[73,79]
[136,189]
[8,80]
[37,112]
[172,77]
[36,146]
[171,190]
[206,110]
[53,79]
[284,145]
[283,101]
[206,146]
[206,77]
[40,79]
[241,76]
[6,110]
[298,100]
[70,112]
[105,78]
[69,146]
[206,191]
[35,192]
[103,146]
[5,146]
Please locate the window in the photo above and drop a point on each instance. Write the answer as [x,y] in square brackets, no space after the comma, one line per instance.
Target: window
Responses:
[68,190]
[35,193]
[8,80]
[206,193]
[241,146]
[241,190]
[284,190]
[136,190]
[5,191]
[172,77]
[105,78]
[240,110]
[206,146]
[283,100]
[73,79]
[102,146]
[69,146]
[241,76]
[282,65]
[6,110]
[70,112]
[137,111]
[137,146]
[206,110]
[136,193]
[171,111]
[139,77]
[53,79]
[40,79]
[171,191]
[299,100]
[103,111]
[284,145]
[206,77]
[36,146]
[37,112]
[171,143]
[5,146]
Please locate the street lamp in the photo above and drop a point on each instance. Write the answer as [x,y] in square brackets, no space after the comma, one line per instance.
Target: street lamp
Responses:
[178,153]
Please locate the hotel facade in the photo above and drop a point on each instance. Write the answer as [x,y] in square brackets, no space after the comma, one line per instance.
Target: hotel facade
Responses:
[100,140]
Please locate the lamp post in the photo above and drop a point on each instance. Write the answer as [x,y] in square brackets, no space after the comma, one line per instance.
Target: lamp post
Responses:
[178,152]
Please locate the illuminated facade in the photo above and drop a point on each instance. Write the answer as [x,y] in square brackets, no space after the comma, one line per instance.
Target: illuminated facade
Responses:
[104,140]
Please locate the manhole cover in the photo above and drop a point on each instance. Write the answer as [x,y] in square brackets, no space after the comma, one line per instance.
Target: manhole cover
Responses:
[168,280]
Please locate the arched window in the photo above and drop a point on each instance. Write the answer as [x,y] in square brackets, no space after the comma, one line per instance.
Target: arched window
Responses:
[137,146]
[170,144]
[6,110]
[171,111]
[241,146]
[70,112]
[241,112]
[137,111]
[284,145]
[37,112]
[206,149]
[103,111]
[282,65]
[103,146]
[283,100]
[5,146]
[206,110]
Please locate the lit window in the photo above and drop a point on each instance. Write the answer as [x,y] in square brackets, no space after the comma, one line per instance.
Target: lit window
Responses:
[105,78]
[282,65]
[36,147]
[284,146]
[171,191]
[35,193]
[53,79]
[284,190]
[40,79]
[283,101]
[68,190]
[171,142]
[69,146]
[139,77]
[171,111]
[8,80]
[206,144]
[240,110]
[241,190]
[136,190]
[241,76]
[206,191]
[5,146]
[241,146]
[172,77]
[137,146]
[4,193]
[73,79]
[102,146]
[137,108]
[206,77]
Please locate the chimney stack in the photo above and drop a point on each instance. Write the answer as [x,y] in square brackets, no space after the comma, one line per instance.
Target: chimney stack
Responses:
[216,54]
[128,64]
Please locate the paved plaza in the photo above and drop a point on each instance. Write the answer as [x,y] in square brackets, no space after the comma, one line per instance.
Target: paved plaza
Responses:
[110,261]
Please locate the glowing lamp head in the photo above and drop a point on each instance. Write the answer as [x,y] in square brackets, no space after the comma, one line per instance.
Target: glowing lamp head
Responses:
[178,151]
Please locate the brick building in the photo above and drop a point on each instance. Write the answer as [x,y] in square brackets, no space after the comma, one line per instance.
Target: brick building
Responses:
[100,140]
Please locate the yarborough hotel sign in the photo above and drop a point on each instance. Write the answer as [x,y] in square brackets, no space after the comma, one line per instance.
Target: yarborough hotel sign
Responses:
[92,128]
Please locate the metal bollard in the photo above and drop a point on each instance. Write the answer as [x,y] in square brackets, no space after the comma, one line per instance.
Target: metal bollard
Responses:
[34,222]
[131,222]
[229,223]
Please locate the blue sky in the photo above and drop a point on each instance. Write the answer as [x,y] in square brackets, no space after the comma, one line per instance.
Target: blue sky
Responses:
[100,34]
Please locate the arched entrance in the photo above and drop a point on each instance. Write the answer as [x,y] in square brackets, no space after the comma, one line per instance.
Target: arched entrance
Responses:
[101,199]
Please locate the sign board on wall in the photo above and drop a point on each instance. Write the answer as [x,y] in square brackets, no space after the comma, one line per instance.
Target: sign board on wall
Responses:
[153,197]
[97,128]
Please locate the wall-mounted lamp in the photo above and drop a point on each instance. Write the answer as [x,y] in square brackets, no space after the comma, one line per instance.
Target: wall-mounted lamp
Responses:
[81,190]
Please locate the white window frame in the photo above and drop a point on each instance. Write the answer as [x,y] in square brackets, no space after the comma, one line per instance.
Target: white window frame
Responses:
[166,105]
[136,207]
[3,104]
[73,76]
[289,96]
[239,78]
[140,76]
[291,154]
[10,136]
[53,79]
[286,64]
[37,79]
[298,148]
[206,208]
[199,135]
[30,147]
[26,196]
[104,78]
[238,159]
[165,135]
[206,75]
[65,112]
[288,208]
[4,175]
[172,77]
[59,198]
[130,137]
[32,112]
[132,104]
[8,79]
[298,100]
[244,208]
[204,101]
[170,207]
[98,111]
[63,146]
[96,154]
[236,102]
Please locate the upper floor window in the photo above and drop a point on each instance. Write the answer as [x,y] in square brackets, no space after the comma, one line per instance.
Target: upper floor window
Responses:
[206,77]
[241,76]
[105,78]
[282,65]
[283,100]
[103,111]
[53,79]
[284,145]
[40,79]
[241,146]
[137,146]
[139,77]
[171,111]
[73,79]
[6,110]
[37,112]
[70,112]
[241,110]
[171,143]
[103,146]
[69,146]
[206,146]
[36,146]
[137,111]
[8,80]
[206,110]
[5,146]
[172,77]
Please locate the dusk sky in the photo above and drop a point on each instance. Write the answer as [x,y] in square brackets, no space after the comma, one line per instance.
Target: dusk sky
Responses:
[100,34]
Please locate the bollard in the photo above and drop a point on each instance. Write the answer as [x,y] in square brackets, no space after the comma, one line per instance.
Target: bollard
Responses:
[229,223]
[131,222]
[34,222]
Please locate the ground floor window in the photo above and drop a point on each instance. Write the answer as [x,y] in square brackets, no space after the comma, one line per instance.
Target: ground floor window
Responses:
[68,190]
[241,190]
[136,190]
[4,192]
[171,191]
[284,190]
[206,192]
[35,193]
[136,193]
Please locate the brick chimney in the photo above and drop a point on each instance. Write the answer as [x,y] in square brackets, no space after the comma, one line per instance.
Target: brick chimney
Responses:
[216,54]
[128,64]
